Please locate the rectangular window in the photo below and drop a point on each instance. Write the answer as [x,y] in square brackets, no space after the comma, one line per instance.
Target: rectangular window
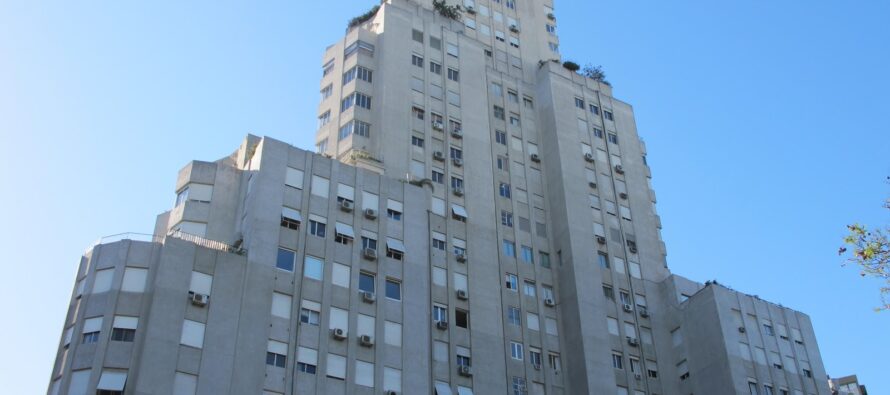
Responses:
[417,60]
[393,289]
[603,260]
[500,137]
[323,119]
[579,103]
[456,153]
[504,190]
[511,282]
[453,75]
[553,360]
[613,138]
[499,113]
[530,289]
[276,355]
[417,141]
[617,361]
[506,218]
[527,254]
[545,259]
[512,96]
[417,35]
[435,68]
[457,183]
[608,115]
[316,227]
[286,259]
[124,328]
[327,68]
[598,132]
[366,282]
[509,248]
[440,313]
[313,268]
[516,351]
[438,177]
[290,218]
[461,318]
[608,292]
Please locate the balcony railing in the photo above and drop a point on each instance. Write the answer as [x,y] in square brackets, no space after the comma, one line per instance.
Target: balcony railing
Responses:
[177,234]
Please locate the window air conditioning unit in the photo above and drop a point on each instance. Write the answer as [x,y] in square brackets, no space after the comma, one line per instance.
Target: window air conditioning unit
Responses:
[628,308]
[346,205]
[588,157]
[366,340]
[370,213]
[644,313]
[442,325]
[458,191]
[742,329]
[462,294]
[638,376]
[457,133]
[369,254]
[457,162]
[632,246]
[439,156]
[514,28]
[438,125]
[368,297]
[633,342]
[549,302]
[338,333]
[464,370]
[462,258]
[592,184]
[601,239]
[536,158]
[619,169]
[622,195]
[199,300]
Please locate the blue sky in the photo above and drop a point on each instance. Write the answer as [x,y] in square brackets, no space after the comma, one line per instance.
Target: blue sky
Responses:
[765,123]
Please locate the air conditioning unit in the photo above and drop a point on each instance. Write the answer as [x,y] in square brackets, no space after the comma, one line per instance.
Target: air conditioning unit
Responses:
[346,205]
[464,370]
[370,213]
[622,195]
[601,239]
[632,246]
[458,191]
[462,294]
[462,257]
[457,133]
[439,155]
[742,329]
[457,162]
[514,28]
[536,158]
[644,313]
[368,297]
[369,254]
[638,376]
[592,184]
[633,342]
[619,169]
[366,340]
[549,302]
[438,125]
[628,308]
[199,300]
[338,333]
[589,157]
[442,325]
[471,10]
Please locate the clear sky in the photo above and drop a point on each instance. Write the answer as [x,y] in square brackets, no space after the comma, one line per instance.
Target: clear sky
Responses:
[766,124]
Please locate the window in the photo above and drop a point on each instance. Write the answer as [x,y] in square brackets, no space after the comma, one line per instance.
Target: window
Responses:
[768,329]
[527,254]
[625,297]
[393,289]
[439,244]
[509,248]
[453,75]
[534,356]
[452,49]
[767,389]
[608,115]
[192,334]
[323,119]
[336,366]
[499,113]
[613,138]
[603,260]
[496,89]
[327,68]
[598,132]
[435,68]
[511,281]
[418,112]
[608,292]
[579,103]
[462,318]
[313,268]
[394,249]
[551,29]
[500,137]
[463,360]
[366,282]
[358,46]
[124,329]
[456,153]
[394,210]
[530,289]
[358,99]
[752,388]
[286,259]
[516,351]
[417,60]
[438,177]
[359,72]
[133,281]
[91,330]
[504,190]
[553,360]
[435,42]
[617,361]
[317,227]
[321,146]
[290,218]
[277,354]
[440,313]
[807,373]
[502,163]
[343,234]
[310,313]
[307,360]
[634,365]
[652,370]
[369,243]
[612,325]
[417,141]
[417,35]
[358,127]
[514,120]
[327,91]
[506,218]
[512,96]
[547,292]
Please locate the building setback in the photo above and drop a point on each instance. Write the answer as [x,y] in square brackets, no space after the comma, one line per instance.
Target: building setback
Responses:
[478,220]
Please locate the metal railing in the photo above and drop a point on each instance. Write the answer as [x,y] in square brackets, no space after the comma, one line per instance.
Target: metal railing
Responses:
[177,234]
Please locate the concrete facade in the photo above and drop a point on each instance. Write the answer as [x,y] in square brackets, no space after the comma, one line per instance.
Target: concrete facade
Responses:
[508,204]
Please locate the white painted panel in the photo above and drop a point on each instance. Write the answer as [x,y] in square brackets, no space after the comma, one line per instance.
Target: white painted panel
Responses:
[185,384]
[307,355]
[394,205]
[345,191]
[364,373]
[336,366]
[201,283]
[192,334]
[320,186]
[103,280]
[459,242]
[134,279]
[125,322]
[294,178]
[276,347]
[281,305]
[392,333]
[370,200]
[92,325]
[314,306]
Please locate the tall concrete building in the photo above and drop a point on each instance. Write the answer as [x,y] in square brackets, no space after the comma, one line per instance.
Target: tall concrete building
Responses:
[478,220]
